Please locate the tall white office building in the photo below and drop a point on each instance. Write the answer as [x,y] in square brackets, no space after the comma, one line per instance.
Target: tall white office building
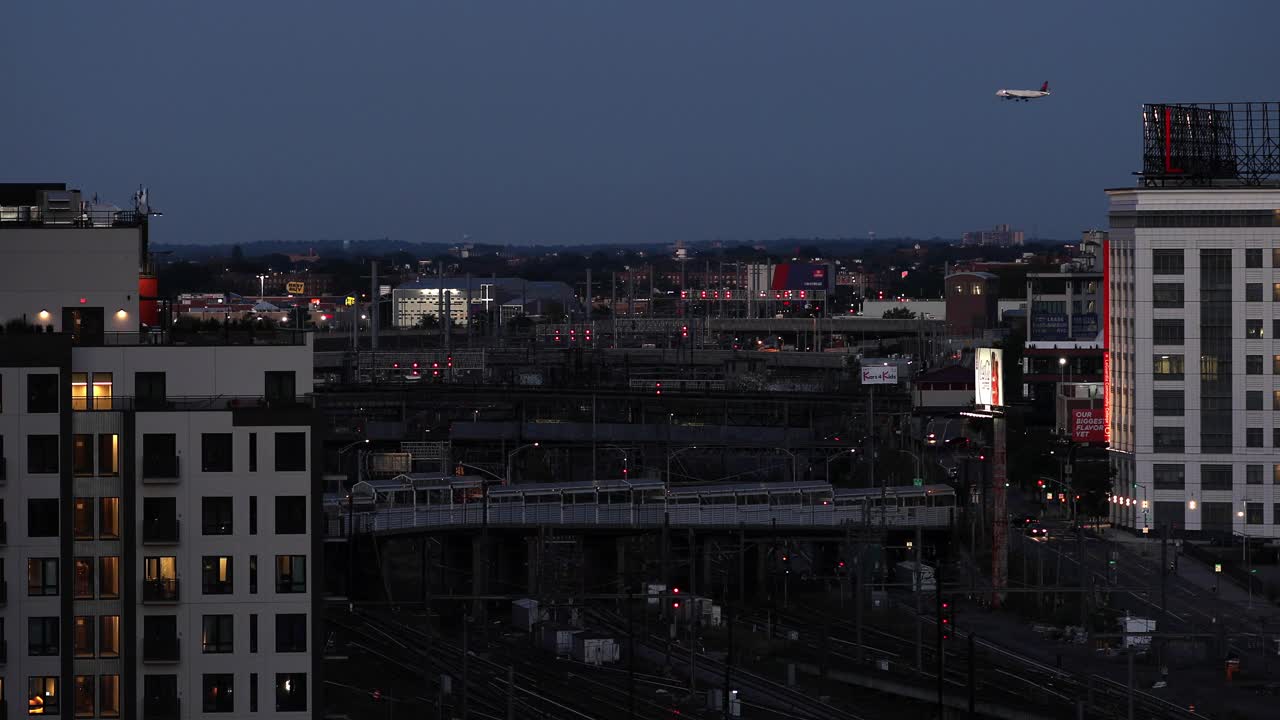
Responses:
[1194,386]
[159,489]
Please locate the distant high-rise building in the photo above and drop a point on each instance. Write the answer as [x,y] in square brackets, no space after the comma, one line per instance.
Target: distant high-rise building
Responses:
[1000,236]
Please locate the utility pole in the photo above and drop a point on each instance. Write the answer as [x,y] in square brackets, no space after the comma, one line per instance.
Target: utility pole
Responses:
[1130,654]
[937,584]
[631,653]
[728,662]
[919,592]
[1164,572]
[692,605]
[973,686]
[466,674]
[373,306]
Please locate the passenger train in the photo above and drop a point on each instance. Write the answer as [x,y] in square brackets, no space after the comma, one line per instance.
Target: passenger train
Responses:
[410,501]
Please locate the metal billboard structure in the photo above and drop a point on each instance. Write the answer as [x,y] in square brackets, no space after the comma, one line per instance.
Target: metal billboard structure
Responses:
[1206,144]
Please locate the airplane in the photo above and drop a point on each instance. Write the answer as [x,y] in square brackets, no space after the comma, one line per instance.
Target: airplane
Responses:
[1025,95]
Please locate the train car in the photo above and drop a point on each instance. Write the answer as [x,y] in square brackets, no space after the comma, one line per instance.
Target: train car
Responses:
[897,506]
[751,504]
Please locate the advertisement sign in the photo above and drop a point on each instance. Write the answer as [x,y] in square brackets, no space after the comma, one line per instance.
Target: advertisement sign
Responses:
[880,375]
[295,288]
[988,377]
[1084,326]
[794,276]
[1089,425]
[1048,326]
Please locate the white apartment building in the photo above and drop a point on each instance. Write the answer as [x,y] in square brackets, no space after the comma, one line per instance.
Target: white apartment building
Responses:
[1194,391]
[160,493]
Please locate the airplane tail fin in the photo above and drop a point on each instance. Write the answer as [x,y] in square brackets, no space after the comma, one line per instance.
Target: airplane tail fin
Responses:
[1045,86]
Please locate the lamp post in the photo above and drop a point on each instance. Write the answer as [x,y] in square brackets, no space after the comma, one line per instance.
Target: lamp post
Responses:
[511,456]
[833,456]
[262,283]
[672,455]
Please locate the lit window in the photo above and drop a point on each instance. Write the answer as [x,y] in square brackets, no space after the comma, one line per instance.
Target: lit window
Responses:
[42,695]
[84,695]
[109,636]
[109,696]
[101,391]
[109,455]
[82,636]
[109,518]
[79,391]
[109,576]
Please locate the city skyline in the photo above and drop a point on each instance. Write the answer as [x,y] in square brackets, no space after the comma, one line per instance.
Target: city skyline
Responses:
[561,124]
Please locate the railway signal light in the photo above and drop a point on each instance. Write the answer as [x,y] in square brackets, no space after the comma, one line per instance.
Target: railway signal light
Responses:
[657,388]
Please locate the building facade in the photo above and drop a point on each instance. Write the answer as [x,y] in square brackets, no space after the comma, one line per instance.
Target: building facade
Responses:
[1194,385]
[160,498]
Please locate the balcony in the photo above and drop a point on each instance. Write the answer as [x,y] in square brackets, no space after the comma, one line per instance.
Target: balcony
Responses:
[160,709]
[162,469]
[160,532]
[160,650]
[160,591]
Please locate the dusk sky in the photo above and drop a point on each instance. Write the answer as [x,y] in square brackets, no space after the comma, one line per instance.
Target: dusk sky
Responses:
[545,121]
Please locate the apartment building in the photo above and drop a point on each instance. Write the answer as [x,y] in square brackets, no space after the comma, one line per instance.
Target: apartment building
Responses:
[160,489]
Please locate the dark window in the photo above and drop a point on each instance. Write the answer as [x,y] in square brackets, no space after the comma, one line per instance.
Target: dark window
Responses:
[1168,402]
[1171,514]
[217,693]
[291,452]
[1253,258]
[42,454]
[280,386]
[42,517]
[253,452]
[218,634]
[291,633]
[253,514]
[1217,314]
[1253,474]
[1253,364]
[216,515]
[84,695]
[1167,295]
[1166,332]
[1253,513]
[1167,367]
[291,573]
[159,455]
[42,636]
[1253,292]
[82,578]
[159,519]
[149,390]
[82,518]
[291,515]
[1167,439]
[215,575]
[43,696]
[253,574]
[42,576]
[159,696]
[83,636]
[1166,262]
[42,393]
[253,692]
[82,454]
[1253,330]
[1168,477]
[1253,437]
[215,452]
[1275,328]
[1216,517]
[253,632]
[1275,514]
[1252,399]
[291,692]
[1215,477]
[160,637]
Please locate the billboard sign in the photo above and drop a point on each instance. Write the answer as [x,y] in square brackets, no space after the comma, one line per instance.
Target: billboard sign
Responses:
[1084,326]
[880,375]
[1089,425]
[794,276]
[1048,326]
[988,377]
[294,287]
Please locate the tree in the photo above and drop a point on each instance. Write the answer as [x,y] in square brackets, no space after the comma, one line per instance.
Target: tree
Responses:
[899,313]
[428,322]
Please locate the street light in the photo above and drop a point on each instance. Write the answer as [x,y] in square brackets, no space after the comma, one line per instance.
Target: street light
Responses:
[511,456]
[833,456]
[626,467]
[672,455]
[262,282]
[1062,367]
